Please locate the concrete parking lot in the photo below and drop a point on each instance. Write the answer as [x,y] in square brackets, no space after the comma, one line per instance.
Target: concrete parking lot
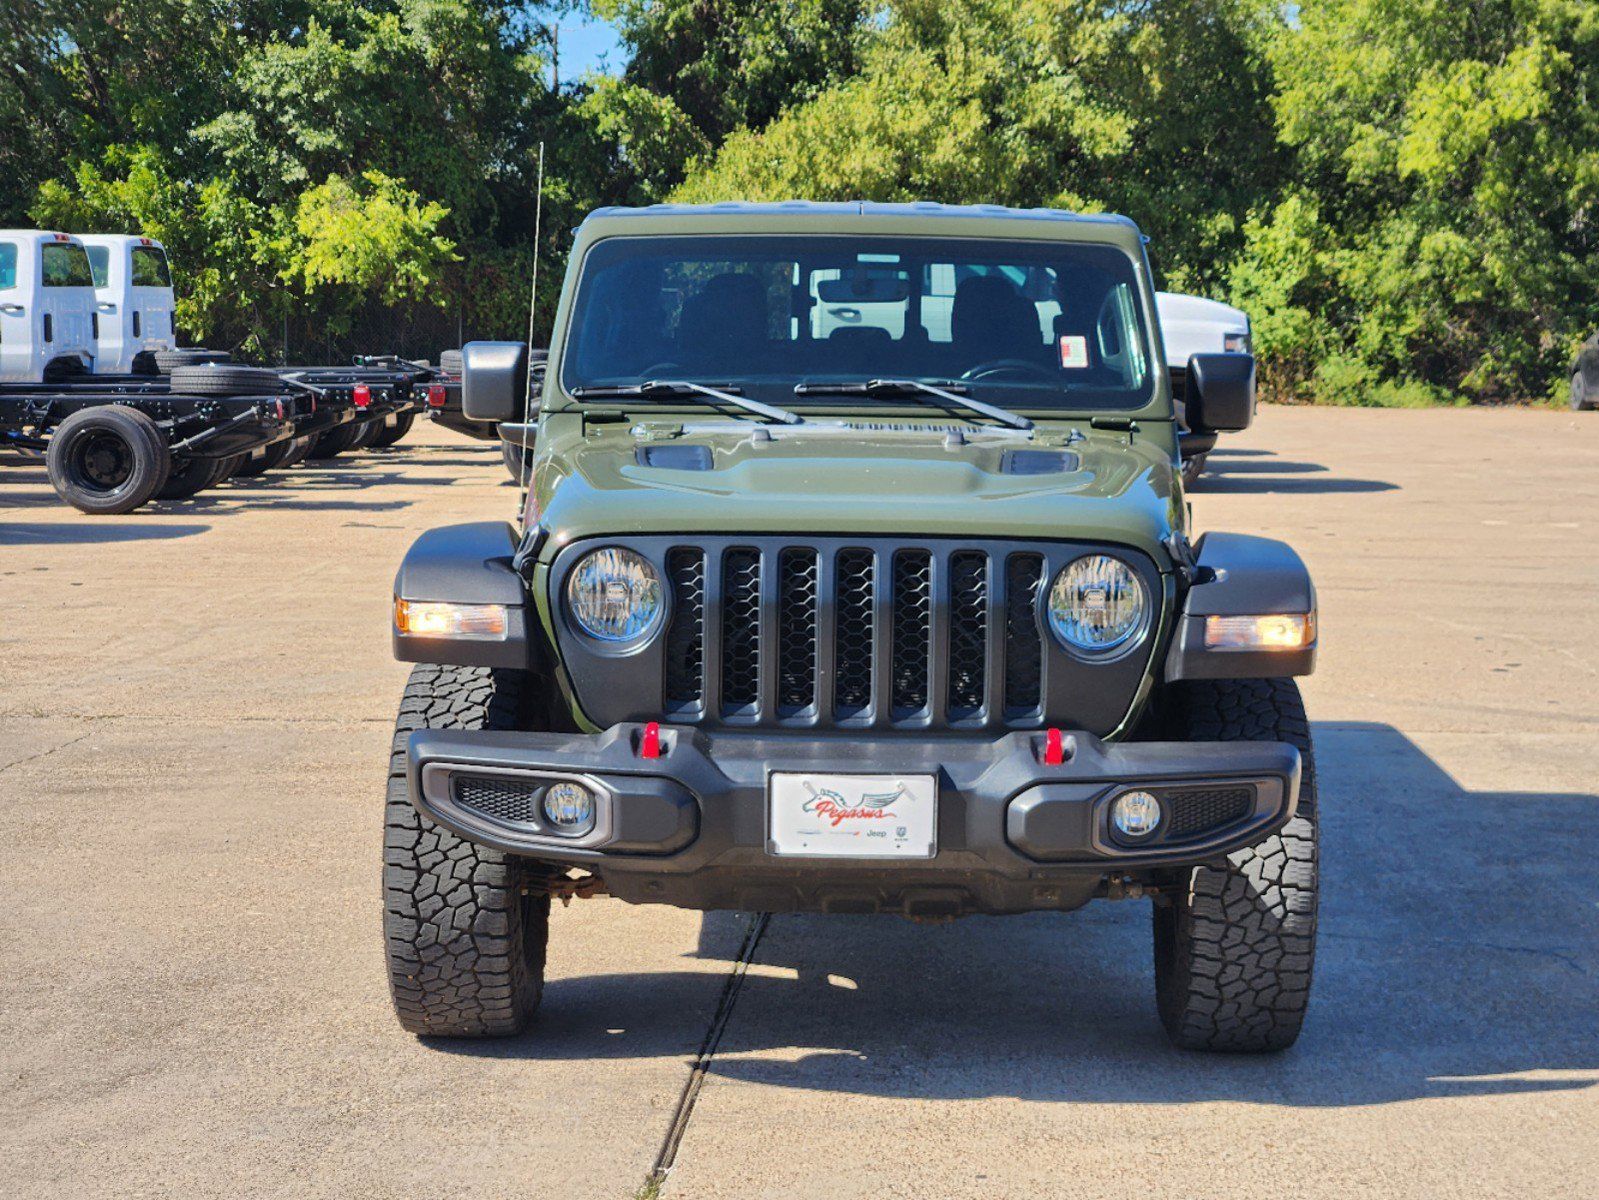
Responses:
[195,703]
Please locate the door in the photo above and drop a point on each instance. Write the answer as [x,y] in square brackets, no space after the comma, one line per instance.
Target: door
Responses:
[113,353]
[16,341]
[67,300]
[150,295]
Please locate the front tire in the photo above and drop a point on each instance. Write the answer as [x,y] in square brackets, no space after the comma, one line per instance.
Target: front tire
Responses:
[1193,468]
[1581,399]
[1235,945]
[465,937]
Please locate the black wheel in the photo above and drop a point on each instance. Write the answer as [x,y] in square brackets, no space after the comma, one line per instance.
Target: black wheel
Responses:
[1234,947]
[450,362]
[1581,399]
[387,434]
[335,441]
[270,458]
[191,476]
[217,379]
[299,448]
[465,938]
[515,464]
[1193,468]
[365,435]
[107,460]
[186,356]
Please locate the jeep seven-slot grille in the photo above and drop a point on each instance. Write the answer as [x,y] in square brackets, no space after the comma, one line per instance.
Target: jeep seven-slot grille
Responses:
[911,636]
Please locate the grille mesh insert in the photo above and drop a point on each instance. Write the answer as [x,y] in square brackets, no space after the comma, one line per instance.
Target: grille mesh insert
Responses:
[741,628]
[968,632]
[857,591]
[796,630]
[685,639]
[1199,810]
[1024,649]
[503,799]
[913,627]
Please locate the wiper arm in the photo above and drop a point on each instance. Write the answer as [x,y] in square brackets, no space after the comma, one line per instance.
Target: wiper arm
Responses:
[659,388]
[952,392]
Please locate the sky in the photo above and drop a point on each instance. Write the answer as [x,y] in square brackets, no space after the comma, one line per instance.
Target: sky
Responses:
[588,46]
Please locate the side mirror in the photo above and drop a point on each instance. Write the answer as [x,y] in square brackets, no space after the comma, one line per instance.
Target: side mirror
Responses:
[494,381]
[1220,395]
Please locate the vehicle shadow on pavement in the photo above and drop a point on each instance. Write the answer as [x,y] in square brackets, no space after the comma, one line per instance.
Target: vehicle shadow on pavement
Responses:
[1459,956]
[1255,471]
[104,531]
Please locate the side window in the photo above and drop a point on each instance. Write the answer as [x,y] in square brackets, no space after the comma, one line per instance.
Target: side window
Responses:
[150,268]
[99,264]
[1118,335]
[65,265]
[8,265]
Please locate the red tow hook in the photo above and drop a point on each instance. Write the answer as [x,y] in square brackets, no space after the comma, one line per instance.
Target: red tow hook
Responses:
[362,395]
[649,745]
[1054,748]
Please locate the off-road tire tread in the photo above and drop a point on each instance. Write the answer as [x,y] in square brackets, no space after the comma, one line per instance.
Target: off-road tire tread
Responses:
[465,945]
[1234,953]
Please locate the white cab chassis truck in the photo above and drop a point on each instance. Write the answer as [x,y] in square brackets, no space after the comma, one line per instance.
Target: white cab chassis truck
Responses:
[1191,325]
[133,301]
[47,307]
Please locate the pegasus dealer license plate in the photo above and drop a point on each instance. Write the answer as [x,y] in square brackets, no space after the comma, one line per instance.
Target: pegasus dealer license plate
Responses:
[852,816]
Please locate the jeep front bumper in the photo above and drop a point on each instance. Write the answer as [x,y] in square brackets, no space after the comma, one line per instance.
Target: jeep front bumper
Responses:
[1014,834]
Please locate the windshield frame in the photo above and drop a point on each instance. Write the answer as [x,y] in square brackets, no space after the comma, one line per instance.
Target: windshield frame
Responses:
[1156,406]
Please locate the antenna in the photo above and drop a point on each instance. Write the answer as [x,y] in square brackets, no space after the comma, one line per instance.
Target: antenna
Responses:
[522,480]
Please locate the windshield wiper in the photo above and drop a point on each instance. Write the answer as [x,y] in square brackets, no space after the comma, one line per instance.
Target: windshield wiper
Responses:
[652,389]
[950,391]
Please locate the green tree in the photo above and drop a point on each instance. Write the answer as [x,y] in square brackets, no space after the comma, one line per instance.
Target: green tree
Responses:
[1440,234]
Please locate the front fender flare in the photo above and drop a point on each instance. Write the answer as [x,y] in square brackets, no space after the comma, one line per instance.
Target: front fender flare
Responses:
[1238,576]
[465,564]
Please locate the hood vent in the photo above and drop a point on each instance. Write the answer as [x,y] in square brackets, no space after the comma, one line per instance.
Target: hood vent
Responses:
[675,458]
[1038,462]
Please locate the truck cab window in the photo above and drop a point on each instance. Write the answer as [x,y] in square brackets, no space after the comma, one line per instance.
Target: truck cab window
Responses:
[65,265]
[100,265]
[150,268]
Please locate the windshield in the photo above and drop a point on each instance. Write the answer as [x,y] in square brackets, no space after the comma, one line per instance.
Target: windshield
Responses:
[1021,324]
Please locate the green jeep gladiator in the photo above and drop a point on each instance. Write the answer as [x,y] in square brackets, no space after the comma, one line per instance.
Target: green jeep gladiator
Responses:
[854,576]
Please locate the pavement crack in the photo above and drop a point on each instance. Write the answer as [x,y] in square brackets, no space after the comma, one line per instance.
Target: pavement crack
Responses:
[44,753]
[681,1115]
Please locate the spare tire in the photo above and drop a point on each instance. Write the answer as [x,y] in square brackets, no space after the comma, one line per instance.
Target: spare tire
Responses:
[214,379]
[166,361]
[450,362]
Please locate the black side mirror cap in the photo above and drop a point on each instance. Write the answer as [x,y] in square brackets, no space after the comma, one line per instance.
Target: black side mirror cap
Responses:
[1220,393]
[494,381]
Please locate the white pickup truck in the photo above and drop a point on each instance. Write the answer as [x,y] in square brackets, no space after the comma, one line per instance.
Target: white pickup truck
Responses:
[133,300]
[1191,325]
[47,307]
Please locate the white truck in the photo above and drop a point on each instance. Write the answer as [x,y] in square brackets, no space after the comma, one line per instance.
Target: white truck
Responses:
[47,307]
[133,301]
[1192,325]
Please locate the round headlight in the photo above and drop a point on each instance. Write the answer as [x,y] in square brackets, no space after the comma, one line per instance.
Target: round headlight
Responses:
[1097,605]
[614,595]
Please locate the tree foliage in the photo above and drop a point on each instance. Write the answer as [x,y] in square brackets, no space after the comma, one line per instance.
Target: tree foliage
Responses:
[1400,192]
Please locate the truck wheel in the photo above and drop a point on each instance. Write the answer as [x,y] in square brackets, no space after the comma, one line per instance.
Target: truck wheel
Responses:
[270,459]
[217,379]
[387,435]
[107,460]
[1235,945]
[186,356]
[191,476]
[365,435]
[335,441]
[1193,468]
[1580,399]
[299,448]
[465,940]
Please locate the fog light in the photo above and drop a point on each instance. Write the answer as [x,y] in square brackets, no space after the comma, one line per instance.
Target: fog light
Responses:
[1135,814]
[569,808]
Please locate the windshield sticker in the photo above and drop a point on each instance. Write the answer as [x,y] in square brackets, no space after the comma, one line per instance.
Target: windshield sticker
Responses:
[1073,351]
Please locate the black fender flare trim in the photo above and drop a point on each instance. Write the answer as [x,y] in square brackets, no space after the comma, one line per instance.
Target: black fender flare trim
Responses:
[466,564]
[1241,575]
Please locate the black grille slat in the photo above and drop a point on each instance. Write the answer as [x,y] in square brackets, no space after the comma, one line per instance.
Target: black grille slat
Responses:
[968,632]
[1200,810]
[503,799]
[913,624]
[1024,646]
[685,637]
[856,592]
[741,629]
[796,630]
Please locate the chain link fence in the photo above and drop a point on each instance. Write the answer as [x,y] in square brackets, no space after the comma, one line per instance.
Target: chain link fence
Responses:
[419,332]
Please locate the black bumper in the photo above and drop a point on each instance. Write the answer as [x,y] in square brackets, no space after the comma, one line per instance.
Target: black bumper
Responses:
[1013,834]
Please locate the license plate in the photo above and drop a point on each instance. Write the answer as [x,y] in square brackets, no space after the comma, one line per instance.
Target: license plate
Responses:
[852,816]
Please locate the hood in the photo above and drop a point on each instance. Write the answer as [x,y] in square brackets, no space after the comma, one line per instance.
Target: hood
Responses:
[856,477]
